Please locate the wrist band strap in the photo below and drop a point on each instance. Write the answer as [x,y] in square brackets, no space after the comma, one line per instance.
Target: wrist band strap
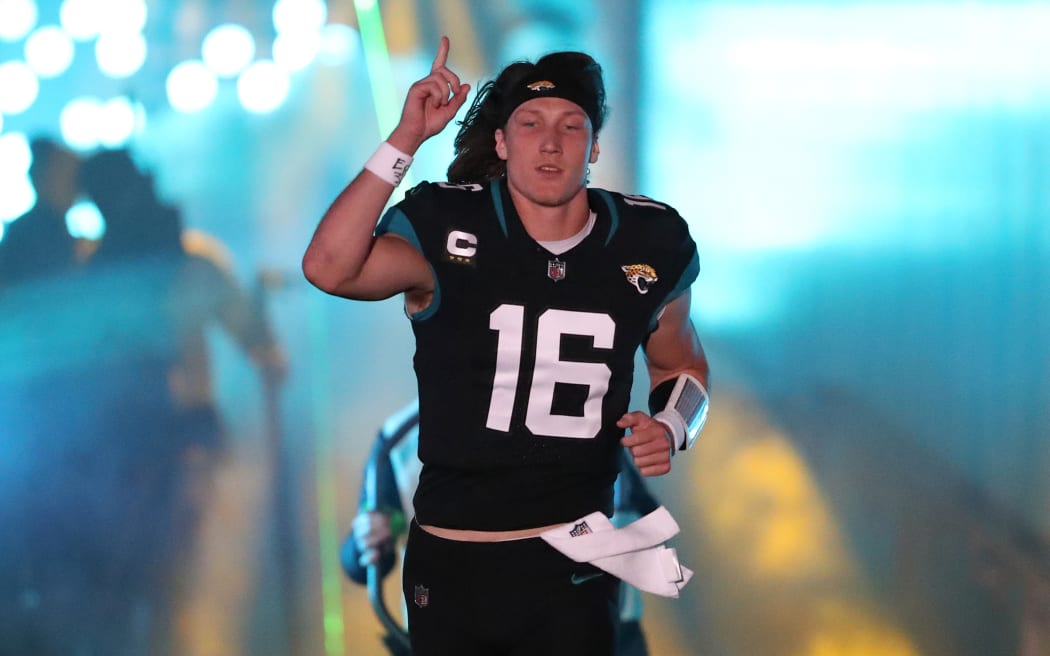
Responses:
[669,433]
[680,404]
[389,163]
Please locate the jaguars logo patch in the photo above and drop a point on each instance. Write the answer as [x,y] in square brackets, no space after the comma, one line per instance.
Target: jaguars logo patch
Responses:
[642,276]
[542,85]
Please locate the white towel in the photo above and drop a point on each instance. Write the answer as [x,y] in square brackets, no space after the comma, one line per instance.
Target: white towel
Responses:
[634,553]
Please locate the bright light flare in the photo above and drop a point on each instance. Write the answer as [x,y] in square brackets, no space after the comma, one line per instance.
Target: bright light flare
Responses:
[120,54]
[49,51]
[80,19]
[84,220]
[79,121]
[117,119]
[123,16]
[15,155]
[299,15]
[191,86]
[17,19]
[20,87]
[263,87]
[228,49]
[17,197]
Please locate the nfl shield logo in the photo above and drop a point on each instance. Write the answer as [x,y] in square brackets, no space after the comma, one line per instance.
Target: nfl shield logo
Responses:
[580,529]
[422,596]
[555,270]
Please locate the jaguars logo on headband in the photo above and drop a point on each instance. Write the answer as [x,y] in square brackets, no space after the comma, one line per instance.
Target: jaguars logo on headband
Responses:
[642,276]
[542,85]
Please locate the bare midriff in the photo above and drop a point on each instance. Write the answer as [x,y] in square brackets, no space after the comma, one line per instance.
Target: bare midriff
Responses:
[465,535]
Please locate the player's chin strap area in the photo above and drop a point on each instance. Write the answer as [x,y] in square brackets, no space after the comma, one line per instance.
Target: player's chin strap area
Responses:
[680,404]
[634,553]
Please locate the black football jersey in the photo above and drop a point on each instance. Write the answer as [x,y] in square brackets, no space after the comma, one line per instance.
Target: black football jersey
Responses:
[524,359]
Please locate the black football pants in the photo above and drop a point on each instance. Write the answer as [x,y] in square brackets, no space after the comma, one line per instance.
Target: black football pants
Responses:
[512,598]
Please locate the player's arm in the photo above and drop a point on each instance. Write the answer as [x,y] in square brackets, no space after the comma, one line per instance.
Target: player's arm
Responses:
[241,316]
[674,347]
[676,363]
[344,256]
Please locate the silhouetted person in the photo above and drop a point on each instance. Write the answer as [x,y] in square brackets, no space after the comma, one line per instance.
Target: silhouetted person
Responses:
[50,404]
[186,274]
[162,291]
[38,243]
[96,426]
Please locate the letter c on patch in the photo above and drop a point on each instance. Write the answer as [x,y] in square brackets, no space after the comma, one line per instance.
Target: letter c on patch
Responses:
[461,243]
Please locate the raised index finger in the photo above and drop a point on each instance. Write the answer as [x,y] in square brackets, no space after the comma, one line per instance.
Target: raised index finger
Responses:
[442,55]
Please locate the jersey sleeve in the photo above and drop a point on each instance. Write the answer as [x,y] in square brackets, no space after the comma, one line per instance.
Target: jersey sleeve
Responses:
[400,219]
[684,255]
[419,217]
[423,219]
[666,235]
[691,269]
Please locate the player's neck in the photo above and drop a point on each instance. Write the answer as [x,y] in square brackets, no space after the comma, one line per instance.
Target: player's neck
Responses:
[552,222]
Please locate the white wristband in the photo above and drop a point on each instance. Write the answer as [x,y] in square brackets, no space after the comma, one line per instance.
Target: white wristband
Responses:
[389,163]
[669,431]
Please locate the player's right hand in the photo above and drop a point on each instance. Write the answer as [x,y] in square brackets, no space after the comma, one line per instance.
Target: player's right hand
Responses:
[431,104]
[372,536]
[648,443]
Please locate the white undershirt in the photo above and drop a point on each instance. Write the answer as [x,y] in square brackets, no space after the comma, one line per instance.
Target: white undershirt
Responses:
[561,245]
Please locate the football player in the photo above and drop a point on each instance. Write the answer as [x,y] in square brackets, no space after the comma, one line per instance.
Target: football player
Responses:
[529,295]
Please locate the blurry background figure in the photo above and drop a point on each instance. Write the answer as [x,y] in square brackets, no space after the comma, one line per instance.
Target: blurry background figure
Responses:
[92,417]
[53,408]
[38,243]
[385,510]
[114,435]
[146,235]
[184,279]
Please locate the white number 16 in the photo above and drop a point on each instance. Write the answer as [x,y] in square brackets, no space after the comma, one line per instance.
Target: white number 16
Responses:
[550,369]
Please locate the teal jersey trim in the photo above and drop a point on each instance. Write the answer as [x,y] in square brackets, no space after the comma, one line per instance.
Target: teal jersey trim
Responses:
[688,277]
[396,222]
[497,202]
[614,214]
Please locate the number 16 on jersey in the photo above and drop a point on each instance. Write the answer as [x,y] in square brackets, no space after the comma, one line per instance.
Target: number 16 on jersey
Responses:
[508,320]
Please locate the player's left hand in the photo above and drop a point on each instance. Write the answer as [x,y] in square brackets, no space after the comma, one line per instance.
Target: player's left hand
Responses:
[647,442]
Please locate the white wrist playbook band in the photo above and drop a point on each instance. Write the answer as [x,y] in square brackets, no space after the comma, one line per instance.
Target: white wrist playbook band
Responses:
[389,163]
[680,404]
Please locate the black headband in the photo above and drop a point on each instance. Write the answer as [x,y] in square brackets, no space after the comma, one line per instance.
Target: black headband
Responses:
[549,84]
